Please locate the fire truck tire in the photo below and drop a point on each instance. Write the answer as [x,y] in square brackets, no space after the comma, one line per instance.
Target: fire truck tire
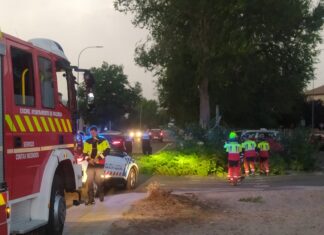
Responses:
[131,179]
[57,211]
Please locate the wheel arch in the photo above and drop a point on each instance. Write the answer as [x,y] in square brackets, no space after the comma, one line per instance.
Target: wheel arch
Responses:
[59,162]
[65,170]
[133,165]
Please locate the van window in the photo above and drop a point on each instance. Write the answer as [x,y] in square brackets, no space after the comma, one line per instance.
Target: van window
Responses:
[46,82]
[23,77]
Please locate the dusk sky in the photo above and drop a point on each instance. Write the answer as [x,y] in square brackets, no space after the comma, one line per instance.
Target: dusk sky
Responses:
[76,24]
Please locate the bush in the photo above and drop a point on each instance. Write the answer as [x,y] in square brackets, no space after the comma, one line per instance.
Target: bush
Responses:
[299,153]
[296,152]
[278,166]
[176,163]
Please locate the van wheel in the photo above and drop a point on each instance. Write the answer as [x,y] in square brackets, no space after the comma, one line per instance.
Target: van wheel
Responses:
[131,179]
[57,212]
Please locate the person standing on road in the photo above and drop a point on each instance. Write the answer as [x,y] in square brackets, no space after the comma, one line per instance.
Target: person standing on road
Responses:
[129,144]
[249,152]
[95,149]
[233,148]
[264,154]
[146,143]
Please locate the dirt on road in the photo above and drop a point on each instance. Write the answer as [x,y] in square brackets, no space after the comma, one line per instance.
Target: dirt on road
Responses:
[278,211]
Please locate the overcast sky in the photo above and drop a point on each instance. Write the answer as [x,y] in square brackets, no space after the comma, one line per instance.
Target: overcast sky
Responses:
[76,24]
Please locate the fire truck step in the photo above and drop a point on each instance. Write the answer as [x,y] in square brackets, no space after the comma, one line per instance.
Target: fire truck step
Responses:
[26,226]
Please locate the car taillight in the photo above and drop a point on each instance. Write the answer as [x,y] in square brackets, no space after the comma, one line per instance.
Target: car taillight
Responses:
[161,133]
[115,142]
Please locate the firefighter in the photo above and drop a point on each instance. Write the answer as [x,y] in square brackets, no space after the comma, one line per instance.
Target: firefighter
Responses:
[264,154]
[249,152]
[95,149]
[233,148]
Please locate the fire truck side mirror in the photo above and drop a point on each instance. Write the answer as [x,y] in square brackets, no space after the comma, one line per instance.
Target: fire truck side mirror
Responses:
[88,80]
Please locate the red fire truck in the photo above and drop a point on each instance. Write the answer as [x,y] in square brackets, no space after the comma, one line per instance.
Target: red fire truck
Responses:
[37,126]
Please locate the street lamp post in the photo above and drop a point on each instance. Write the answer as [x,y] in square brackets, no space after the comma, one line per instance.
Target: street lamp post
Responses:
[79,125]
[82,52]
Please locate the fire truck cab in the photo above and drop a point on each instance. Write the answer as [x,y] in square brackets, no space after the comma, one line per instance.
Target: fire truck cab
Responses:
[37,127]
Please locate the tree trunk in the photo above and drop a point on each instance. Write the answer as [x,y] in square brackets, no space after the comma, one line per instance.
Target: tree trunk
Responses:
[204,103]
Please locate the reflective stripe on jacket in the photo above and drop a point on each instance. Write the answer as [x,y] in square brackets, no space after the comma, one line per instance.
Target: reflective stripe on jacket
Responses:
[102,147]
[233,149]
[249,147]
[264,148]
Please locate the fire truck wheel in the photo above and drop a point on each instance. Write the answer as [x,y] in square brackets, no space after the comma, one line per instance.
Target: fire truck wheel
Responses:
[131,179]
[57,211]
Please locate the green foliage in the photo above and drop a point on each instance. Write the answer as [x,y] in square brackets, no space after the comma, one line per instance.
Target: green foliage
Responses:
[177,163]
[252,57]
[299,153]
[114,96]
[278,165]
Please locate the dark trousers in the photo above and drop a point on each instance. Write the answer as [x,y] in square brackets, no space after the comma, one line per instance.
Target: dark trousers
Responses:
[146,147]
[94,176]
[129,147]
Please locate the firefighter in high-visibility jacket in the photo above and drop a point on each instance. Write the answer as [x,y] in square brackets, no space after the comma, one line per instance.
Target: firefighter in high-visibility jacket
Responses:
[249,148]
[95,149]
[264,154]
[233,149]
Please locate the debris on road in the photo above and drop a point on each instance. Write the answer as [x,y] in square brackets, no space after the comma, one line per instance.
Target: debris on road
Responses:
[160,210]
[252,212]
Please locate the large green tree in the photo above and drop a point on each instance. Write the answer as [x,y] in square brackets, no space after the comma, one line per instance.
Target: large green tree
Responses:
[252,57]
[114,100]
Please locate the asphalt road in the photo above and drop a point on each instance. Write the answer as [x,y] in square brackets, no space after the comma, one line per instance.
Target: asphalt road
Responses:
[156,145]
[97,219]
[212,184]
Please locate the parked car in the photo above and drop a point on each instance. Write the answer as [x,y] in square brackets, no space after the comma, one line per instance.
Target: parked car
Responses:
[116,139]
[156,134]
[317,137]
[272,136]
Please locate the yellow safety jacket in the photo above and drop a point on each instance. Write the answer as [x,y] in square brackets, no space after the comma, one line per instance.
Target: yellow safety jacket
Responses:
[264,148]
[101,144]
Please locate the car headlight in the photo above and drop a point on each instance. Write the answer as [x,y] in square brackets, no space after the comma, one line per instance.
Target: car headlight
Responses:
[131,134]
[138,134]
